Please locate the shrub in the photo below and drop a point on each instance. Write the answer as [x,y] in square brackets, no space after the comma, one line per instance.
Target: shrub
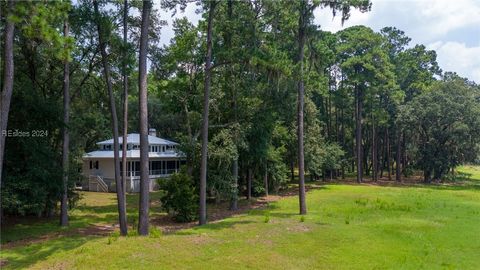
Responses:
[266,218]
[258,189]
[302,218]
[180,198]
[155,232]
[113,237]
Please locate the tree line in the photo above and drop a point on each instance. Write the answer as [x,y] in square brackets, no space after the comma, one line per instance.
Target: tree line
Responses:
[256,93]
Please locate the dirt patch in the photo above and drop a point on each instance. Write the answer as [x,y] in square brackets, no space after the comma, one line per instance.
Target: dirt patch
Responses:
[100,230]
[262,241]
[200,239]
[3,263]
[215,213]
[298,228]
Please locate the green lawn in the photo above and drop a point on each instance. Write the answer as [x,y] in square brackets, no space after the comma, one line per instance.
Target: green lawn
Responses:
[348,227]
[471,170]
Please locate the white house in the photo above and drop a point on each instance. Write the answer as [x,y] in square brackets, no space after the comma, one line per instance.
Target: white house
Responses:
[98,166]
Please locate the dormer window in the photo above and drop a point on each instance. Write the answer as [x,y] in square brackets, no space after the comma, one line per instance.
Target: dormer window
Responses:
[154,148]
[107,147]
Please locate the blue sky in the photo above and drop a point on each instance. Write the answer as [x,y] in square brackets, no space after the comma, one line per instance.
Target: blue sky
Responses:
[450,27]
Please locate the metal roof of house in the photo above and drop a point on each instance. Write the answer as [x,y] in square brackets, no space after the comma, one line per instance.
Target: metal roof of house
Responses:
[135,139]
[132,154]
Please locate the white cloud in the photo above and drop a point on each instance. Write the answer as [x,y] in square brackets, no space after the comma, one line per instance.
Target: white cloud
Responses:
[443,16]
[455,56]
[325,19]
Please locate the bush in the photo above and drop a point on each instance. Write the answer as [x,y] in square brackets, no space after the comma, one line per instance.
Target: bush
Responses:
[180,198]
[258,188]
[155,232]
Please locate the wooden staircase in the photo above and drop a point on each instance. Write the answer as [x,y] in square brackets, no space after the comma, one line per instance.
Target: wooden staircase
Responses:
[96,183]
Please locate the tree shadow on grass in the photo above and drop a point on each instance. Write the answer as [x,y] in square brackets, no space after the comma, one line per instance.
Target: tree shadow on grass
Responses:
[452,186]
[23,257]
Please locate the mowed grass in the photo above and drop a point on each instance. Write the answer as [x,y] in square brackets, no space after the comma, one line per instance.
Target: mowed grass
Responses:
[347,227]
[471,170]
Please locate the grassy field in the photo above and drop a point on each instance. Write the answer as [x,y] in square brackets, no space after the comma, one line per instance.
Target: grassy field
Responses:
[347,227]
[471,170]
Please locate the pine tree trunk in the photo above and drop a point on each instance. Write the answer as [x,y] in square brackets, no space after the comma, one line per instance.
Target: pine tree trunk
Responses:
[122,216]
[358,134]
[234,200]
[374,151]
[143,216]
[206,97]
[404,153]
[228,43]
[381,154]
[249,184]
[123,231]
[265,180]
[301,95]
[398,162]
[292,170]
[387,137]
[66,136]
[343,135]
[7,88]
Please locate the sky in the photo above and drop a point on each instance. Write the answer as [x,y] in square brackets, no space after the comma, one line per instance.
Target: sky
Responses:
[450,27]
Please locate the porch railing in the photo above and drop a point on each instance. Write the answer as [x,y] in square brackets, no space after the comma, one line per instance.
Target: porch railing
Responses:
[97,181]
[153,172]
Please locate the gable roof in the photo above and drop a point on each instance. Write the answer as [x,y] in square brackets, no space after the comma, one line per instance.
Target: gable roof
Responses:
[134,138]
[132,154]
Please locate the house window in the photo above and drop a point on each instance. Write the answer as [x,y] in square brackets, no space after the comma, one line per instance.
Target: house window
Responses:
[155,167]
[96,164]
[171,165]
[91,164]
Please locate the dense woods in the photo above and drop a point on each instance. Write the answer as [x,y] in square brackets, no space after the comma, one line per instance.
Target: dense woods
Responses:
[257,94]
